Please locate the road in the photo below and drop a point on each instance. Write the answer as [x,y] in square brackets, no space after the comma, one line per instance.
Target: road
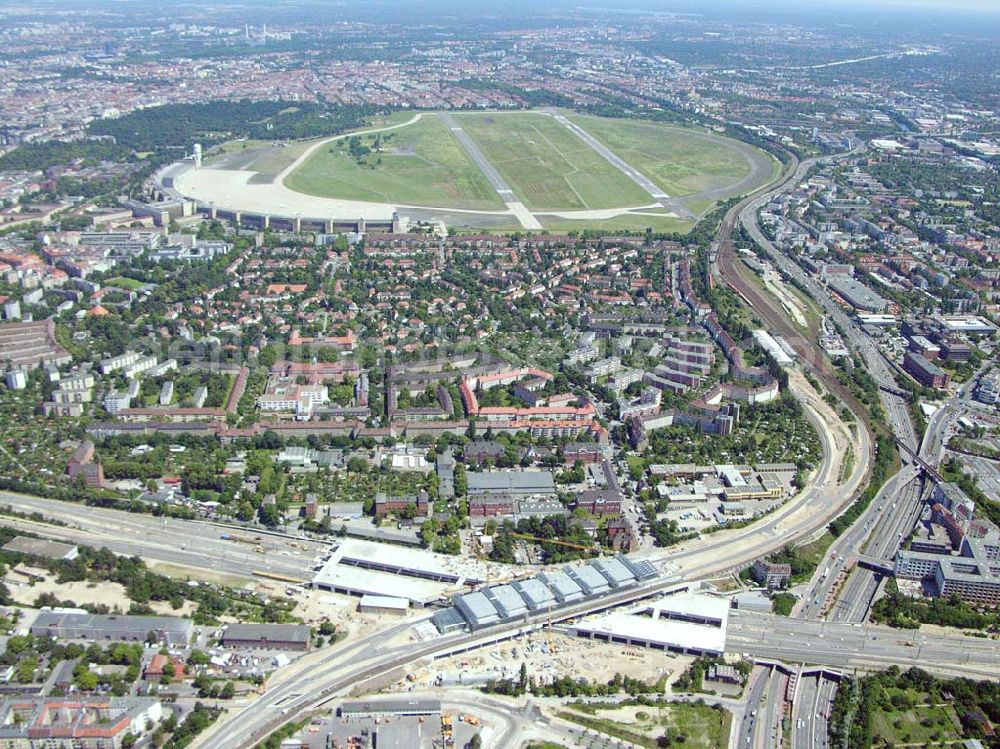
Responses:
[811,712]
[769,728]
[882,529]
[861,646]
[755,690]
[193,544]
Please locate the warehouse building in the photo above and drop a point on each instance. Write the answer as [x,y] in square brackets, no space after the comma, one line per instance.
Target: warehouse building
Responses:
[512,483]
[75,624]
[267,636]
[38,547]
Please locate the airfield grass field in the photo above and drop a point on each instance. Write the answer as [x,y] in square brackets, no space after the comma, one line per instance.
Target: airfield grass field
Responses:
[420,164]
[547,166]
[682,162]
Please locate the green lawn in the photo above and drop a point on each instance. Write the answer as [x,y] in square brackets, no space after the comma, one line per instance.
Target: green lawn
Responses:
[124,283]
[682,162]
[547,166]
[419,164]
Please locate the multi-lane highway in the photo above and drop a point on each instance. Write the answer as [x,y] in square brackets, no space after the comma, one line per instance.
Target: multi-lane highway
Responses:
[194,545]
[860,646]
[756,691]
[811,711]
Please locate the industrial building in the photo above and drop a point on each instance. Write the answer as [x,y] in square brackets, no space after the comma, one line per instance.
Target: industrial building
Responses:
[267,636]
[511,483]
[39,547]
[925,372]
[76,624]
[545,592]
[857,294]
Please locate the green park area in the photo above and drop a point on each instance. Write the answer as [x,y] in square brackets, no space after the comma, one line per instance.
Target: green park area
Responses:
[912,718]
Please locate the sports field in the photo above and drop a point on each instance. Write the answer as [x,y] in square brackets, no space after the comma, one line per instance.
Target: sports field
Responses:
[420,164]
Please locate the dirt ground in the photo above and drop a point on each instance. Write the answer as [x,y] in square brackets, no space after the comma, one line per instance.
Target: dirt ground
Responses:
[82,592]
[568,656]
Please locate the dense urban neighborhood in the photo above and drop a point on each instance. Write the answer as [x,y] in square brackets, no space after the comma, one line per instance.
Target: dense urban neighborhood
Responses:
[556,377]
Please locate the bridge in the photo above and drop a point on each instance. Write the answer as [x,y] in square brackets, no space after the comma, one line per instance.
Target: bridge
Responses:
[926,467]
[894,391]
[876,565]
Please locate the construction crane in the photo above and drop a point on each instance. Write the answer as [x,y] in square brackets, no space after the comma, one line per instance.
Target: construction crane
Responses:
[558,543]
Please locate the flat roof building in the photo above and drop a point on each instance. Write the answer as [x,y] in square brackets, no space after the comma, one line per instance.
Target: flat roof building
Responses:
[925,372]
[512,483]
[72,624]
[39,547]
[267,636]
[372,604]
[389,707]
[857,294]
[683,623]
[973,576]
